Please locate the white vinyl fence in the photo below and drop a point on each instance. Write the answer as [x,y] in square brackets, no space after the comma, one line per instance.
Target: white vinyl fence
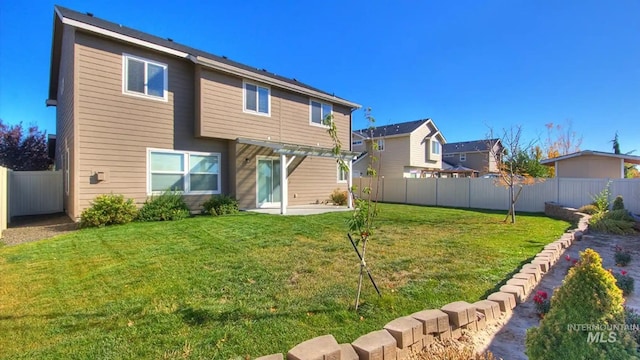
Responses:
[4,216]
[482,193]
[34,192]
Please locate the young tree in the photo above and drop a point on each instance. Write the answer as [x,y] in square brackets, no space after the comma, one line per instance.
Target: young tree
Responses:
[22,150]
[513,163]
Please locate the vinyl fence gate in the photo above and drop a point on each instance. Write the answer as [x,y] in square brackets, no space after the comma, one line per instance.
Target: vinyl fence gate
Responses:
[34,192]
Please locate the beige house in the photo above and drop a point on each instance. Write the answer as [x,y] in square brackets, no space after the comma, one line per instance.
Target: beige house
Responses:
[410,149]
[591,164]
[472,158]
[138,114]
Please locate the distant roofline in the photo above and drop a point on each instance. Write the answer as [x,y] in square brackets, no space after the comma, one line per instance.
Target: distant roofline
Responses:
[91,24]
[631,159]
[364,133]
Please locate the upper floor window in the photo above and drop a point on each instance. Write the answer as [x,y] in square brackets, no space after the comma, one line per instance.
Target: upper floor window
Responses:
[357,142]
[144,77]
[188,172]
[257,99]
[319,112]
[435,147]
[463,157]
[380,144]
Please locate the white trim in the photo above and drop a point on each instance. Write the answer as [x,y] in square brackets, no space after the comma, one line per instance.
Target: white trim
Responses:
[621,168]
[270,204]
[145,95]
[346,180]
[378,141]
[244,98]
[463,156]
[322,103]
[435,141]
[186,171]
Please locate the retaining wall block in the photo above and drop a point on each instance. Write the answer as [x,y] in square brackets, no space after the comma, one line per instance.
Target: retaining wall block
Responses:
[435,321]
[320,348]
[456,332]
[553,255]
[490,309]
[507,301]
[348,352]
[526,288]
[376,345]
[445,335]
[458,312]
[406,330]
[482,321]
[517,291]
[429,339]
[542,263]
[271,357]
[530,278]
[532,269]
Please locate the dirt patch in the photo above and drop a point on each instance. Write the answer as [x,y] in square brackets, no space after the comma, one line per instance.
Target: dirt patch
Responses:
[37,227]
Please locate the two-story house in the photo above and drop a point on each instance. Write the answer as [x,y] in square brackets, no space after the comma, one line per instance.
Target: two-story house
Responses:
[474,157]
[138,114]
[410,149]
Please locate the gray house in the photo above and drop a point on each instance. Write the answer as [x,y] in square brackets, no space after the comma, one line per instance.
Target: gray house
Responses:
[474,157]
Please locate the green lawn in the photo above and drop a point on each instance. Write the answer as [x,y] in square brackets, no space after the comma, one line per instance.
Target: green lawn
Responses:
[246,285]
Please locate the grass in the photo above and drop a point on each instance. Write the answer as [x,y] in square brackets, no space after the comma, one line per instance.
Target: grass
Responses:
[248,284]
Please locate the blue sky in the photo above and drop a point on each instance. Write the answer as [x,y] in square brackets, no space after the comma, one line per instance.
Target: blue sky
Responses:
[468,65]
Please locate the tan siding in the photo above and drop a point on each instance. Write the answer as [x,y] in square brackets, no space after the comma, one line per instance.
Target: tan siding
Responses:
[394,158]
[222,116]
[246,176]
[590,167]
[477,160]
[421,149]
[314,180]
[115,129]
[65,133]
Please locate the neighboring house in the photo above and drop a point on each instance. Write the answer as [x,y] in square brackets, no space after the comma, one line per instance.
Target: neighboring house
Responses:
[411,149]
[137,114]
[591,164]
[473,157]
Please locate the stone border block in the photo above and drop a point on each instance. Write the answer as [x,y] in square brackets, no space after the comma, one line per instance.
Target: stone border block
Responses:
[507,301]
[524,283]
[517,291]
[456,332]
[406,330]
[272,357]
[482,321]
[457,311]
[532,269]
[542,263]
[529,277]
[490,309]
[348,352]
[376,345]
[321,347]
[435,321]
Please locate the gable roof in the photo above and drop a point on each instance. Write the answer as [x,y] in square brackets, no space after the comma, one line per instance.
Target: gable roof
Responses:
[106,28]
[631,159]
[468,146]
[404,128]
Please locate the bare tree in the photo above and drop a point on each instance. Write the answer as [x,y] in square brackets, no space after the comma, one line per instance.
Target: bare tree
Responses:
[512,174]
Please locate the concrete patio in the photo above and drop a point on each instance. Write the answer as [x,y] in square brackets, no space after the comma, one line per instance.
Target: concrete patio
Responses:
[311,209]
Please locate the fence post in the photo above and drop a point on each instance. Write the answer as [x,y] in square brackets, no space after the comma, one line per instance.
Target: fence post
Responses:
[469,194]
[406,190]
[437,179]
[557,189]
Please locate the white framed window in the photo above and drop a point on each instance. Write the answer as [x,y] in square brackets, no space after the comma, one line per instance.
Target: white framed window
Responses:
[357,142]
[342,175]
[463,157]
[142,77]
[380,144]
[318,112]
[435,147]
[257,99]
[185,171]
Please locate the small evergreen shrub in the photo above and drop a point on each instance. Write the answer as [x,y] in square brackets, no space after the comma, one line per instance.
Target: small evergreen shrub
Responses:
[632,320]
[618,203]
[108,210]
[625,282]
[166,207]
[617,222]
[588,209]
[589,295]
[220,205]
[621,256]
[339,197]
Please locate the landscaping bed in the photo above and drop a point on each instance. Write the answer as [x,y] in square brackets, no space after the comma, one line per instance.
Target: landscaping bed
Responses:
[247,284]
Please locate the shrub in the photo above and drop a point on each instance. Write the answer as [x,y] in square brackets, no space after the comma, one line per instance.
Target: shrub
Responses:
[601,201]
[587,296]
[618,203]
[588,209]
[220,205]
[621,256]
[339,197]
[632,320]
[543,303]
[166,207]
[617,222]
[108,210]
[625,282]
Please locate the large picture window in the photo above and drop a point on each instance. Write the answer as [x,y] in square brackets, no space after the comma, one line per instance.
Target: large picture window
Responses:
[188,172]
[144,77]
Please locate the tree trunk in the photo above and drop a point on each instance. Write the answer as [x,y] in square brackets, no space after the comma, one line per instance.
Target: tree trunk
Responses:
[512,204]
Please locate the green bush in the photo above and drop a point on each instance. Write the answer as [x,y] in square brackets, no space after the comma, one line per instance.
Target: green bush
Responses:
[618,203]
[220,205]
[339,197]
[601,201]
[617,222]
[621,256]
[624,282]
[108,210]
[166,207]
[632,320]
[589,295]
[588,209]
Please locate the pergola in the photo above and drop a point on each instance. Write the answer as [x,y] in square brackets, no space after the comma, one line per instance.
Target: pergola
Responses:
[289,152]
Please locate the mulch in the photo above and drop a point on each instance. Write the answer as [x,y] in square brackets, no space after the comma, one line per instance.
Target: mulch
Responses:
[23,229]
